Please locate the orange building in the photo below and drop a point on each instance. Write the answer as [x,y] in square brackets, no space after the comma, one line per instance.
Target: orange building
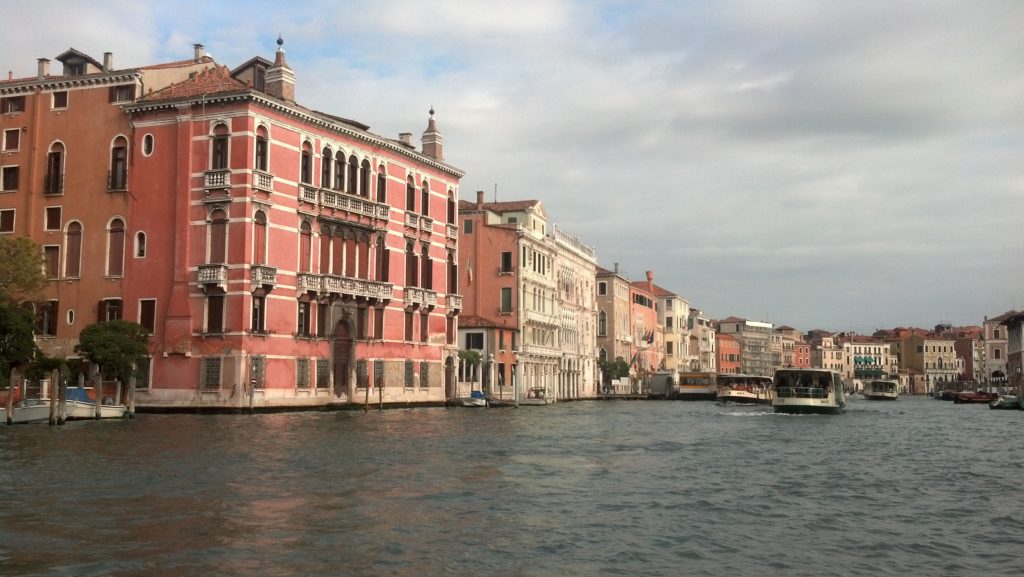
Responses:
[281,256]
[728,353]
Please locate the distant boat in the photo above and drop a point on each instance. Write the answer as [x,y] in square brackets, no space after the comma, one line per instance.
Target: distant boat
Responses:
[1005,402]
[808,391]
[881,390]
[976,397]
[475,399]
[744,389]
[536,396]
[697,387]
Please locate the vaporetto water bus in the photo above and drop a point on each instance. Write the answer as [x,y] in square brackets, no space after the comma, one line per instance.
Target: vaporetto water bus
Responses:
[744,389]
[697,387]
[881,390]
[808,391]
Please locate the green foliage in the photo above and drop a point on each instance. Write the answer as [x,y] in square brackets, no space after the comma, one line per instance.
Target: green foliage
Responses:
[470,356]
[17,343]
[115,346]
[42,366]
[21,269]
[613,370]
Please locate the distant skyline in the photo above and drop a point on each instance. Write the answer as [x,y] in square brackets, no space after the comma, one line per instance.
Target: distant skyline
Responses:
[817,164]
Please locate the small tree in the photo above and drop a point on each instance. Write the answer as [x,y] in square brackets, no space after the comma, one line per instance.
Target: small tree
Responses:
[17,343]
[614,370]
[21,269]
[116,346]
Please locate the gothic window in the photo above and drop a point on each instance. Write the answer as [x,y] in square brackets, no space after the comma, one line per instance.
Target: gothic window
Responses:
[115,248]
[73,251]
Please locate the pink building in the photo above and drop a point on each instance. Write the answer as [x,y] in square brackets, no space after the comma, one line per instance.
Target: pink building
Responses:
[728,354]
[648,337]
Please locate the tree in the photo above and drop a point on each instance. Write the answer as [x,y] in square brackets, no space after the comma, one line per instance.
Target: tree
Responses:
[21,269]
[116,346]
[614,370]
[17,343]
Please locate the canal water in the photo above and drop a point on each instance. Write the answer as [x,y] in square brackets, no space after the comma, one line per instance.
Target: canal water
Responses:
[914,487]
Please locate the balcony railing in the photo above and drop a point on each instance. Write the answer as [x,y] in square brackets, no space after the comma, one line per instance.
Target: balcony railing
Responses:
[356,288]
[453,302]
[453,231]
[309,282]
[412,220]
[117,179]
[426,223]
[213,275]
[355,204]
[218,178]
[264,275]
[53,184]
[541,318]
[420,297]
[263,181]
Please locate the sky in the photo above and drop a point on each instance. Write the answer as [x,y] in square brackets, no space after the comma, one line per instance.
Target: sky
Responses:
[819,164]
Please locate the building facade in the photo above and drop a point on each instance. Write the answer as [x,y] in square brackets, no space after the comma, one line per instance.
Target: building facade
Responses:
[755,344]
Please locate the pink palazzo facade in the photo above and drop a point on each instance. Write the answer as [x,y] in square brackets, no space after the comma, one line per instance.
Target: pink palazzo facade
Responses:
[288,257]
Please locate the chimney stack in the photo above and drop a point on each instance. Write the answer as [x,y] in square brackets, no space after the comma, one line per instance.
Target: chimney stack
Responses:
[433,142]
[198,52]
[44,68]
[280,80]
[616,268]
[108,61]
[650,281]
[479,199]
[405,138]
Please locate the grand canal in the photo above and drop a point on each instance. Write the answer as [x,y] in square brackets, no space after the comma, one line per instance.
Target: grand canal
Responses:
[914,487]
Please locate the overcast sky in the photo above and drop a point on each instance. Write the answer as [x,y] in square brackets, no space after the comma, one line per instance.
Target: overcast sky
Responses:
[838,165]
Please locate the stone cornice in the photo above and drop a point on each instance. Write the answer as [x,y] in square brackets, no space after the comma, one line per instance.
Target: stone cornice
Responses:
[56,82]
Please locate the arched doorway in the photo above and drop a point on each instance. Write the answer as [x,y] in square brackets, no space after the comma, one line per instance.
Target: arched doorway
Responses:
[449,378]
[342,357]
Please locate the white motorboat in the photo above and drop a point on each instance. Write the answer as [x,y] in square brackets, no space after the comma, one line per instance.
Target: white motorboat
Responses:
[881,390]
[744,389]
[81,406]
[28,411]
[475,399]
[808,391]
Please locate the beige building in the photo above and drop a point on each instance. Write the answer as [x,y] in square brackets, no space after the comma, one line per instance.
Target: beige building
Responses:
[674,316]
[994,352]
[703,343]
[576,309]
[614,336]
[933,357]
[867,357]
[755,344]
[826,353]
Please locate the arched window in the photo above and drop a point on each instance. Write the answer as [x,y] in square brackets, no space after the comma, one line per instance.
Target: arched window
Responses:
[115,248]
[306,164]
[410,195]
[140,244]
[73,251]
[602,356]
[325,168]
[602,324]
[262,149]
[259,238]
[118,176]
[305,246]
[353,170]
[382,184]
[427,272]
[339,171]
[53,183]
[218,240]
[410,265]
[219,147]
[425,199]
[381,261]
[364,179]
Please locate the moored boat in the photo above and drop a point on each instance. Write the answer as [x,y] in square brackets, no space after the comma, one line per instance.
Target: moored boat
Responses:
[1005,402]
[744,389]
[27,411]
[82,405]
[976,397]
[475,399]
[697,387]
[881,390]
[808,391]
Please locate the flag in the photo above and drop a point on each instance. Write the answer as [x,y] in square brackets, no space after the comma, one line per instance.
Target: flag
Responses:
[469,270]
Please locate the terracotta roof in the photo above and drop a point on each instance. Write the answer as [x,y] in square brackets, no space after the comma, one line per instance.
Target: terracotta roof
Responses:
[512,206]
[475,322]
[176,64]
[662,292]
[216,80]
[732,320]
[1008,314]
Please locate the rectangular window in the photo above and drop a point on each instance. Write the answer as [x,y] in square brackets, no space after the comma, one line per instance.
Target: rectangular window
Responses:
[46,319]
[53,218]
[12,104]
[302,325]
[501,339]
[506,262]
[60,99]
[123,93]
[506,300]
[210,373]
[668,322]
[468,228]
[220,153]
[362,374]
[9,178]
[424,327]
[302,373]
[378,323]
[321,319]
[147,314]
[257,371]
[323,373]
[408,326]
[12,139]
[109,310]
[258,314]
[602,288]
[215,314]
[7,220]
[378,373]
[409,372]
[424,374]
[449,329]
[142,370]
[475,341]
[51,257]
[668,348]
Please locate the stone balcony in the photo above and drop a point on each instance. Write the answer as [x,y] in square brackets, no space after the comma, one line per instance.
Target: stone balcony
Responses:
[412,220]
[354,288]
[263,181]
[265,276]
[213,276]
[453,231]
[219,178]
[308,282]
[421,298]
[354,204]
[453,302]
[541,318]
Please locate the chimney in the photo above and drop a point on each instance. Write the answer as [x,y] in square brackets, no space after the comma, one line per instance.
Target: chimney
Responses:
[433,142]
[44,68]
[280,80]
[479,199]
[616,268]
[650,281]
[108,61]
[405,138]
[197,55]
